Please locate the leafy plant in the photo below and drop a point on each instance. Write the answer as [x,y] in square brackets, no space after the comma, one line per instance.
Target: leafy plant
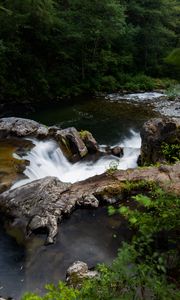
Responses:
[171,152]
[113,167]
[59,292]
[173,92]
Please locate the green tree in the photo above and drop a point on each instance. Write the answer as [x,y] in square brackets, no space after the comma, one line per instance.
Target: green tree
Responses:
[154,35]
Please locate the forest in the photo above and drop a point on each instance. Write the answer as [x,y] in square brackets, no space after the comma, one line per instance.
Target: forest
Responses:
[51,49]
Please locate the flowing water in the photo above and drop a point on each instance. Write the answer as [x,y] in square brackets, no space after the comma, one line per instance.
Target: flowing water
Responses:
[89,235]
[47,159]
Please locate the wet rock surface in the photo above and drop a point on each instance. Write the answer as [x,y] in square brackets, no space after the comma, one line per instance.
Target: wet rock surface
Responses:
[69,139]
[11,168]
[89,141]
[154,133]
[43,203]
[21,127]
[71,142]
[117,151]
[77,273]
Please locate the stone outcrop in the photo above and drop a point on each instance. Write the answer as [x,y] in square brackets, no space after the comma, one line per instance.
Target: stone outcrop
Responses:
[43,203]
[71,142]
[154,133]
[89,141]
[77,272]
[19,127]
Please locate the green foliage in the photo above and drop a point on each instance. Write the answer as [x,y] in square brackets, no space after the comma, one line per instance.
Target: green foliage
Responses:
[171,152]
[59,292]
[113,167]
[173,60]
[51,48]
[139,82]
[161,206]
[165,83]
[153,23]
[173,91]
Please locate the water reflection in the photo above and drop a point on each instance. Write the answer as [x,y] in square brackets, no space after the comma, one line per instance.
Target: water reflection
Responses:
[88,234]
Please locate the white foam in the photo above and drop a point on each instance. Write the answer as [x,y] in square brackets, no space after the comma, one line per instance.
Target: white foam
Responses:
[136,96]
[47,159]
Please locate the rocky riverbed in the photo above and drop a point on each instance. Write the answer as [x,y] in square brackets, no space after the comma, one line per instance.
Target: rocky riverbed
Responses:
[161,103]
[43,205]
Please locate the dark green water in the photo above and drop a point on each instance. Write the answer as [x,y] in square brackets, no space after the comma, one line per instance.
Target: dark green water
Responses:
[108,121]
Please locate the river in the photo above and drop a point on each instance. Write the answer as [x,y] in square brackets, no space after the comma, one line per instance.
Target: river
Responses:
[88,234]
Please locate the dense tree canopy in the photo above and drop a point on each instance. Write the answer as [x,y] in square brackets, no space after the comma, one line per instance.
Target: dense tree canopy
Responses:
[55,48]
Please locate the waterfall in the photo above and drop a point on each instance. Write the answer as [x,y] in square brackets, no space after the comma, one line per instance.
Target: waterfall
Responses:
[47,159]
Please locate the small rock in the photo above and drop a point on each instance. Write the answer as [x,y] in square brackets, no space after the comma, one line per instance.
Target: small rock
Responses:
[77,272]
[89,200]
[117,151]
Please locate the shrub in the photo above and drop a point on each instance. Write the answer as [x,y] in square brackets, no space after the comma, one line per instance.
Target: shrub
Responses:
[171,152]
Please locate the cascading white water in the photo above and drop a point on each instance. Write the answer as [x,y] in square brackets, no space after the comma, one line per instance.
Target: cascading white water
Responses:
[148,96]
[47,159]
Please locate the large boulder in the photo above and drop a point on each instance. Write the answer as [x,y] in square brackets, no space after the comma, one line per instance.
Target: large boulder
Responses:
[37,203]
[43,203]
[21,128]
[71,142]
[154,134]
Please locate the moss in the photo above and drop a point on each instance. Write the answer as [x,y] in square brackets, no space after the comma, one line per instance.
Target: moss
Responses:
[140,185]
[114,189]
[84,134]
[123,190]
[171,152]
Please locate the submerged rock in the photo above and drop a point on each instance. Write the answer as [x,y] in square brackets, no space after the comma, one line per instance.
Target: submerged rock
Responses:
[154,133]
[77,273]
[117,151]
